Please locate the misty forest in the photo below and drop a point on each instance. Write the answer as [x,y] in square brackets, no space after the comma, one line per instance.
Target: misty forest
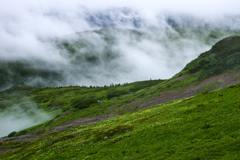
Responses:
[119,80]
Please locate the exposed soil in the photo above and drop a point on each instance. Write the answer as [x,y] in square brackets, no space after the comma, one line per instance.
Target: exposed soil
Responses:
[131,106]
[6,150]
[38,134]
[63,115]
[22,138]
[26,138]
[224,80]
[82,121]
[180,78]
[113,108]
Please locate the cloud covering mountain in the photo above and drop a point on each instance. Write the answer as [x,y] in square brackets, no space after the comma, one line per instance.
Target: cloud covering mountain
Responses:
[174,34]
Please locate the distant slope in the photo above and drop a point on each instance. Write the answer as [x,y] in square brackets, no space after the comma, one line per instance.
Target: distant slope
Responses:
[98,57]
[214,69]
[224,55]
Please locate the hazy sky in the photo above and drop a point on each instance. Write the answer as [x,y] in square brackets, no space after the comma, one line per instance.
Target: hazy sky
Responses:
[36,17]
[199,7]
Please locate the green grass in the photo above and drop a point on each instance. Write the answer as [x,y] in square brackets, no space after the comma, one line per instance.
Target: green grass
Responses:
[209,87]
[223,57]
[201,127]
[82,101]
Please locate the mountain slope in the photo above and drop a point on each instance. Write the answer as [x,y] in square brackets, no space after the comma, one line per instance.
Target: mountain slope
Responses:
[119,99]
[201,127]
[224,55]
[214,69]
[206,121]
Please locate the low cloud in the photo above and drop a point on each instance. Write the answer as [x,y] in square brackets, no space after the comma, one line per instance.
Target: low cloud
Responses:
[19,117]
[29,30]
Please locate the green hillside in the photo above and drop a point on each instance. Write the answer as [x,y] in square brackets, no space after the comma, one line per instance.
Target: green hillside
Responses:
[80,101]
[224,55]
[202,126]
[61,99]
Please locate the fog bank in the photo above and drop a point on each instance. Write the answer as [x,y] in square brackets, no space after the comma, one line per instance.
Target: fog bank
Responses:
[29,30]
[17,118]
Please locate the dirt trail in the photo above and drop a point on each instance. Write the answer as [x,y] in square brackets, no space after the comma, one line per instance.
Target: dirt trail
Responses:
[38,134]
[224,80]
[6,150]
[82,121]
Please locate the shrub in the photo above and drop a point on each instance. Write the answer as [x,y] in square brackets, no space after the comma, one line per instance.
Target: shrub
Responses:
[65,109]
[12,134]
[22,132]
[81,103]
[194,68]
[116,93]
[2,106]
